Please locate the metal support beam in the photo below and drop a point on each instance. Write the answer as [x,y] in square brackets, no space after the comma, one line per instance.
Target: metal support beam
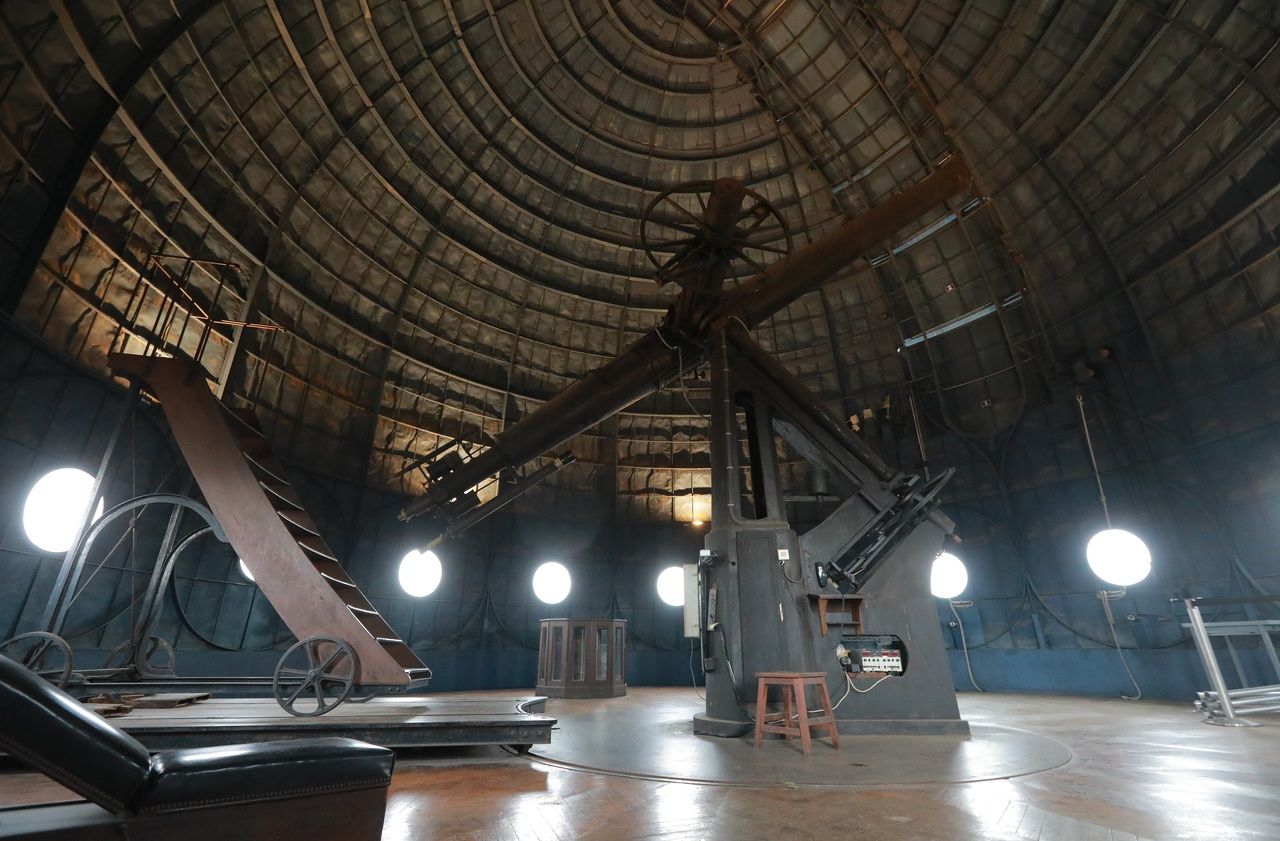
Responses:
[660,356]
[64,585]
[1205,647]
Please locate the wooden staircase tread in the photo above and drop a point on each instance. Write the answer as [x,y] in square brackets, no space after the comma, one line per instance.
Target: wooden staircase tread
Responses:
[283,492]
[338,581]
[298,518]
[273,472]
[407,660]
[331,568]
[376,626]
[241,425]
[357,602]
[316,546]
[243,415]
[252,447]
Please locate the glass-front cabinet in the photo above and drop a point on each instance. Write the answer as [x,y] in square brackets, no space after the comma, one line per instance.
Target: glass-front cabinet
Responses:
[582,658]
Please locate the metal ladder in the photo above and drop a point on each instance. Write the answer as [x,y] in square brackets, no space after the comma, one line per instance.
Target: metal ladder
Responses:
[266,524]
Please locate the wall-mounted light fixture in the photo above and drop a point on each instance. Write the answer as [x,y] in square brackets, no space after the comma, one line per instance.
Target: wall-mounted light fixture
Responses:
[671,586]
[551,583]
[948,577]
[420,573]
[55,508]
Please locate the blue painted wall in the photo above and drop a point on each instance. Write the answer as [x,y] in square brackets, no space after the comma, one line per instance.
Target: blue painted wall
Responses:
[1211,515]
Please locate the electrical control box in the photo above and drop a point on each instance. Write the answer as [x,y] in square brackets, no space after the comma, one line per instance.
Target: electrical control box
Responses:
[885,660]
[884,654]
[692,607]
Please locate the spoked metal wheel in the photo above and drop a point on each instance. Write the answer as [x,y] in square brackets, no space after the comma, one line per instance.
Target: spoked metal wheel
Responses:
[677,227]
[46,654]
[314,676]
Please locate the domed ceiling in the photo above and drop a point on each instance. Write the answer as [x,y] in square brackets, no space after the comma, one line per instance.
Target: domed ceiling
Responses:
[411,221]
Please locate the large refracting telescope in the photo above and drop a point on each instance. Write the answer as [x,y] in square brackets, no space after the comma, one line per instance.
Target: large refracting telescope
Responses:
[770,599]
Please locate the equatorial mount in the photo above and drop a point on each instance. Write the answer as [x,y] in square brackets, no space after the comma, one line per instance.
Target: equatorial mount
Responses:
[718,227]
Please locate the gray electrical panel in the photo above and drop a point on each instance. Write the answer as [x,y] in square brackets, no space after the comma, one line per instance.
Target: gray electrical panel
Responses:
[691,602]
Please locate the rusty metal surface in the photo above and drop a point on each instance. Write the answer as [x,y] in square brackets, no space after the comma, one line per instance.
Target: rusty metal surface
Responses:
[780,284]
[412,332]
[437,201]
[664,354]
[289,579]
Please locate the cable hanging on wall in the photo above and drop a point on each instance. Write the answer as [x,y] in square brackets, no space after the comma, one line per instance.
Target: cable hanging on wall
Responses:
[1115,555]
[1093,458]
[964,642]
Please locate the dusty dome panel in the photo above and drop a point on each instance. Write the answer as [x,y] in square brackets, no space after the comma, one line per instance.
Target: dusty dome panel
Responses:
[439,201]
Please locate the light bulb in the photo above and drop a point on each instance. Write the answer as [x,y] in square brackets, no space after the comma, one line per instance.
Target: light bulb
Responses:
[949,577]
[420,573]
[1118,557]
[551,583]
[671,586]
[55,508]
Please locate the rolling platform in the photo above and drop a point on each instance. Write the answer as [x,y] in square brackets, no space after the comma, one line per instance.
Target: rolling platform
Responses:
[409,721]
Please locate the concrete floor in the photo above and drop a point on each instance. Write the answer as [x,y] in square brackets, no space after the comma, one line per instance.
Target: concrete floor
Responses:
[1141,770]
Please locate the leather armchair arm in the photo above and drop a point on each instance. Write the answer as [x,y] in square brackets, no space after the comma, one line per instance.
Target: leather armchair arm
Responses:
[250,773]
[47,728]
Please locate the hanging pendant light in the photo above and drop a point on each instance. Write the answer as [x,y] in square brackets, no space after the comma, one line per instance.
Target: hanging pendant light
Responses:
[1115,555]
[1118,557]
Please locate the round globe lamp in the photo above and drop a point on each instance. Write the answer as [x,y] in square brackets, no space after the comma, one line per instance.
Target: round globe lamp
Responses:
[1118,557]
[949,576]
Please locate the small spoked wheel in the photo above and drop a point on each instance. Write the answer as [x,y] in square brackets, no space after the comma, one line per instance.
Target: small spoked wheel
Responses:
[46,654]
[314,676]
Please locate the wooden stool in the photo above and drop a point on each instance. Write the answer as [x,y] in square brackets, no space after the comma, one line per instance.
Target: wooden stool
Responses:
[793,686]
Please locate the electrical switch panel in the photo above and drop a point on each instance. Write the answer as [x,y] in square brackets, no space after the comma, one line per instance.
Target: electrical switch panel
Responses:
[874,654]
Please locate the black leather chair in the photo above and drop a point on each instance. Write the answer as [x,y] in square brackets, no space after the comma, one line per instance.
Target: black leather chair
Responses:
[313,788]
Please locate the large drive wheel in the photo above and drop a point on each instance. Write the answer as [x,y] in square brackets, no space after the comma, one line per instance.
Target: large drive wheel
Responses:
[672,229]
[46,654]
[314,676]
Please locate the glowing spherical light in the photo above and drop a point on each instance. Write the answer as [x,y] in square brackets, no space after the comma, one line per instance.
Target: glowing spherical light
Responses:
[671,586]
[1118,557]
[551,583]
[949,577]
[244,570]
[420,573]
[56,506]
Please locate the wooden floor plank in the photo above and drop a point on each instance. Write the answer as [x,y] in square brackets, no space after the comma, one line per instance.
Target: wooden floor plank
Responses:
[1131,779]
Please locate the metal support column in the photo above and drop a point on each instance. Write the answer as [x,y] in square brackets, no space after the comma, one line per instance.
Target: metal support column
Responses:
[55,612]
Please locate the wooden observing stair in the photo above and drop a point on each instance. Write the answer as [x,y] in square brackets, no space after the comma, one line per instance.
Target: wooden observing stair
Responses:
[266,524]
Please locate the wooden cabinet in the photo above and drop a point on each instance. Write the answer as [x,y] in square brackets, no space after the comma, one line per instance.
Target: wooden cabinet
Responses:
[582,658]
[844,610]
